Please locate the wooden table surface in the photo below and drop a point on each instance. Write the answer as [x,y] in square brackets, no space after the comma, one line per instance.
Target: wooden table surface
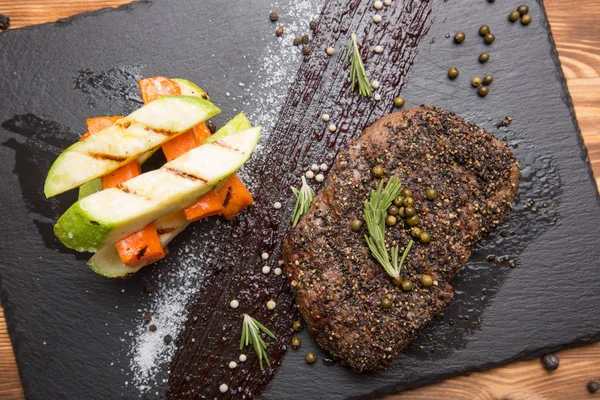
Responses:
[576,28]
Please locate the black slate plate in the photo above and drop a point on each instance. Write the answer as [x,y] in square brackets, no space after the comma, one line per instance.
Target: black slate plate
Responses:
[69,327]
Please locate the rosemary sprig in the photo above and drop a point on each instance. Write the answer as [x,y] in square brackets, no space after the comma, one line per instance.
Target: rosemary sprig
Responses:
[357,68]
[304,197]
[374,215]
[251,329]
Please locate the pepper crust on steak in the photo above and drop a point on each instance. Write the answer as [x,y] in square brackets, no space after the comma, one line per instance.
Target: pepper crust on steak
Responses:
[339,285]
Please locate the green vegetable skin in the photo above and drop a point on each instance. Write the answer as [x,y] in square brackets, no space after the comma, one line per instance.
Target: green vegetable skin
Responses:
[112,214]
[126,140]
[107,262]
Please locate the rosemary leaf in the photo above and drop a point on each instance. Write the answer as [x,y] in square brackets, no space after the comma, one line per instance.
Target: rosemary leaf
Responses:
[374,216]
[251,329]
[304,197]
[358,74]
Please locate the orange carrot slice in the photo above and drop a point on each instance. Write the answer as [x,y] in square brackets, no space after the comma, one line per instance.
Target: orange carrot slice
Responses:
[142,247]
[234,196]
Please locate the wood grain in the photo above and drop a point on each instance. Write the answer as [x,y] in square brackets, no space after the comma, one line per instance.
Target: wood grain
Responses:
[576,28]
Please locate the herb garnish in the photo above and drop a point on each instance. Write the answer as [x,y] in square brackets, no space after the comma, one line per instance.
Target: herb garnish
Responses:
[304,197]
[357,68]
[251,329]
[374,215]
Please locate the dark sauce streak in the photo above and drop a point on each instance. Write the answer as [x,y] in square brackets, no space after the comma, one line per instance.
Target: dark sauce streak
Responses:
[211,335]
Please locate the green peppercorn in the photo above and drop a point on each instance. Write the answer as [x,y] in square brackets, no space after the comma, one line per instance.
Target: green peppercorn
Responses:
[523,9]
[399,101]
[488,79]
[402,212]
[459,37]
[415,232]
[476,81]
[397,282]
[295,342]
[425,237]
[412,221]
[407,285]
[386,303]
[390,220]
[310,357]
[453,73]
[392,210]
[378,171]
[297,326]
[526,19]
[426,280]
[410,211]
[483,91]
[431,193]
[406,192]
[484,57]
[399,201]
[514,16]
[355,225]
[484,30]
[409,202]
[489,38]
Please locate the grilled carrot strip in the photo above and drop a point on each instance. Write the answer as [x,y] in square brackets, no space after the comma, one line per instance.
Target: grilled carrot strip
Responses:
[142,247]
[234,196]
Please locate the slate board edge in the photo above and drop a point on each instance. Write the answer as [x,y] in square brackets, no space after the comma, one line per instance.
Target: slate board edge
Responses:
[567,100]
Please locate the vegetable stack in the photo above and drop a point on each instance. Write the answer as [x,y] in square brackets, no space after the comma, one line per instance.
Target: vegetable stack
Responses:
[129,216]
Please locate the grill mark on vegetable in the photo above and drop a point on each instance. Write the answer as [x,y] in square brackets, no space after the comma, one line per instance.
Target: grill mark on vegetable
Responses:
[184,174]
[141,253]
[94,223]
[164,132]
[164,231]
[218,143]
[227,197]
[111,157]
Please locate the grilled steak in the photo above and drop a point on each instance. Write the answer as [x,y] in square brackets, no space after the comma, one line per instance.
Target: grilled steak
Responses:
[339,285]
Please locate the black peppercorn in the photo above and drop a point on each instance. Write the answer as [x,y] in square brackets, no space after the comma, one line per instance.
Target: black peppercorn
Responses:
[550,362]
[304,39]
[211,126]
[152,328]
[484,30]
[306,50]
[168,339]
[513,16]
[4,22]
[593,387]
[313,25]
[483,91]
[297,41]
[484,57]
[523,9]
[273,16]
[147,318]
[279,31]
[148,288]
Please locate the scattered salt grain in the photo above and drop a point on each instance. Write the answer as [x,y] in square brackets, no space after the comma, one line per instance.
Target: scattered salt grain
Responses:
[234,303]
[277,205]
[309,174]
[232,365]
[320,178]
[377,18]
[223,388]
[266,269]
[243,358]
[280,262]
